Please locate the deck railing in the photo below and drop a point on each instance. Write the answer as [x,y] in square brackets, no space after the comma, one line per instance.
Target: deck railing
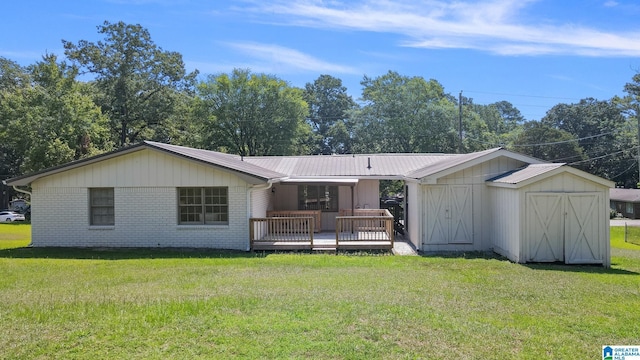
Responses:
[373,227]
[368,229]
[316,214]
[281,232]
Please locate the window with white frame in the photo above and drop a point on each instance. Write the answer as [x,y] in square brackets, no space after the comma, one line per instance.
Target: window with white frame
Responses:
[318,197]
[203,206]
[101,207]
[629,208]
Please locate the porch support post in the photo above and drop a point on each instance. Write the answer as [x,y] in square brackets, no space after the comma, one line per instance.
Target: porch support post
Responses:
[353,211]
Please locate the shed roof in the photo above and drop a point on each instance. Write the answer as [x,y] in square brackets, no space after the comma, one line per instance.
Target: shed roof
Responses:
[525,173]
[536,172]
[625,195]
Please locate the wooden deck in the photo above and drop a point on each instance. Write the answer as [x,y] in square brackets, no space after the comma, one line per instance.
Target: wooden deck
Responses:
[372,231]
[327,241]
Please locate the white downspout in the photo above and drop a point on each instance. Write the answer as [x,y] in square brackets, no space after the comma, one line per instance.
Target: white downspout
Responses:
[266,186]
[20,190]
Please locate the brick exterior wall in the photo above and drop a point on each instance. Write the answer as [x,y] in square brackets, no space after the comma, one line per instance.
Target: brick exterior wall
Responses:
[144,217]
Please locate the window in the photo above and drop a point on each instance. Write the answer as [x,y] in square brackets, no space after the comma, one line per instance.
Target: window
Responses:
[203,206]
[101,209]
[318,197]
[629,208]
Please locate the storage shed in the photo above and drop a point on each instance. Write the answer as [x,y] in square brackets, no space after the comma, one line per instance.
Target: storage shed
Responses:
[549,213]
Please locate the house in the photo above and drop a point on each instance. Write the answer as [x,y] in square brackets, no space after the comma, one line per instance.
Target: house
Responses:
[625,202]
[160,195]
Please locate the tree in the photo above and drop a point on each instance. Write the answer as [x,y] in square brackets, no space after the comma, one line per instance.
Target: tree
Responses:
[52,119]
[329,105]
[139,80]
[404,114]
[545,142]
[12,75]
[599,127]
[13,78]
[254,114]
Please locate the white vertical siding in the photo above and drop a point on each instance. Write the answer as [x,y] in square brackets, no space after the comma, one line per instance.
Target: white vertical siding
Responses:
[367,194]
[261,202]
[506,232]
[285,197]
[414,211]
[568,183]
[482,218]
[145,168]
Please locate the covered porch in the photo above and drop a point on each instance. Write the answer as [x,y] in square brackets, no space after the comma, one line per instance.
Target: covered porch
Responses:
[356,229]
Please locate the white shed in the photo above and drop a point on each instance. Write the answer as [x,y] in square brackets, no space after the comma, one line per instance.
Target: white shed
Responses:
[549,213]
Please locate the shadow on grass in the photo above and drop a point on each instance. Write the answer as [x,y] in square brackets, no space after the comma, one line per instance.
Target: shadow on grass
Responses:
[155,253]
[591,269]
[487,255]
[122,253]
[557,266]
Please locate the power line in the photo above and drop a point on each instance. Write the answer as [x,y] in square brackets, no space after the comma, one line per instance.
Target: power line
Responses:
[603,156]
[522,95]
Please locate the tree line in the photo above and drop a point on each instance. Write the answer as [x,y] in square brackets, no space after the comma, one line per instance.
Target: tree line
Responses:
[139,91]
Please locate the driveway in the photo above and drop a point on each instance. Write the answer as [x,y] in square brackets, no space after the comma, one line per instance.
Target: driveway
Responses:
[621,222]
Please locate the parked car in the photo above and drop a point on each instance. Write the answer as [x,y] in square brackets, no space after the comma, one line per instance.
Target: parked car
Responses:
[10,216]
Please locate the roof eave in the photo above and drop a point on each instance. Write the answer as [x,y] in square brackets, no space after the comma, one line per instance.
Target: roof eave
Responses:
[553,172]
[246,176]
[432,179]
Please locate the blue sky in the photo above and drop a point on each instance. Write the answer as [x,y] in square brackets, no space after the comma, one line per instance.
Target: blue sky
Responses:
[532,53]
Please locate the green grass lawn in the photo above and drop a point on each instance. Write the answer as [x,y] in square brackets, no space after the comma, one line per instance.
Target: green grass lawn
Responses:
[160,304]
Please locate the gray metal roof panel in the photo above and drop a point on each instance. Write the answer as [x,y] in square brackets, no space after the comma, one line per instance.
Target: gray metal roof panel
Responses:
[448,162]
[231,162]
[528,172]
[347,165]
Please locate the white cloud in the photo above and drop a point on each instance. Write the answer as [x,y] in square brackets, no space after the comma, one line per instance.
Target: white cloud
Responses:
[279,59]
[497,26]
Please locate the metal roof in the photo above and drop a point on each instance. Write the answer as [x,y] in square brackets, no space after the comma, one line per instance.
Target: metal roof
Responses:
[525,173]
[535,172]
[227,161]
[361,165]
[318,167]
[625,195]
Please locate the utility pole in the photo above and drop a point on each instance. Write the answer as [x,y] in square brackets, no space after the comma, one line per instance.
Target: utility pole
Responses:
[460,125]
[638,119]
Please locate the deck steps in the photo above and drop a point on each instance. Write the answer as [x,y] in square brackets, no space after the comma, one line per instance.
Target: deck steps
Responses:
[324,248]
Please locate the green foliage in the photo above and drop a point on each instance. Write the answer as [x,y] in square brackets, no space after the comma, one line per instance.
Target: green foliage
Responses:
[329,105]
[140,82]
[598,127]
[404,114]
[51,119]
[545,142]
[391,187]
[253,114]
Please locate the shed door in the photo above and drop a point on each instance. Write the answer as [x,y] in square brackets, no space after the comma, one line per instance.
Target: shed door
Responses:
[582,229]
[545,227]
[448,214]
[565,227]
